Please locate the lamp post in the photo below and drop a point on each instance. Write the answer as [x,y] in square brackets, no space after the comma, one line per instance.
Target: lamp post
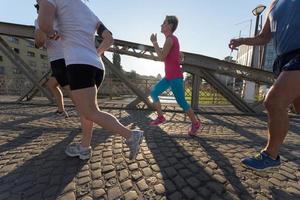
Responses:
[249,87]
[257,12]
[255,52]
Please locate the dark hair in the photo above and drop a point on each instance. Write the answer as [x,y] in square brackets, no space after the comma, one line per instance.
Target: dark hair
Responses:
[37,7]
[173,20]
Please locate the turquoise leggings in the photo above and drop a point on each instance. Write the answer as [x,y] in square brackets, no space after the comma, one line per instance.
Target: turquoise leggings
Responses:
[177,88]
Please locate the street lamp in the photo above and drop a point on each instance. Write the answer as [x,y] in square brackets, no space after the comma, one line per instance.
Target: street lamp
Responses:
[257,12]
[250,87]
[256,51]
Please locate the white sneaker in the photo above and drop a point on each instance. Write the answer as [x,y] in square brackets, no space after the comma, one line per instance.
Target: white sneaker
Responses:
[75,150]
[134,143]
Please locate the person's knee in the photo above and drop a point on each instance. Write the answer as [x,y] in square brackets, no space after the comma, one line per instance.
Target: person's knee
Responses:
[51,84]
[273,104]
[88,112]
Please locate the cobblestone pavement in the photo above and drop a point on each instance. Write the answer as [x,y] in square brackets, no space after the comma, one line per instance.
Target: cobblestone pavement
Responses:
[170,165]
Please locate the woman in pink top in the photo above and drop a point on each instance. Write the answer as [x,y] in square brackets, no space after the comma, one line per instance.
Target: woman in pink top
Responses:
[173,79]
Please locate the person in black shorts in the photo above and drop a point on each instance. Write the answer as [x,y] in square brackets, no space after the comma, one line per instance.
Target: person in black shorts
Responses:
[58,68]
[283,27]
[85,69]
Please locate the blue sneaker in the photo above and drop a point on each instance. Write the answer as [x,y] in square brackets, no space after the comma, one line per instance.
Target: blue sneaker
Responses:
[261,162]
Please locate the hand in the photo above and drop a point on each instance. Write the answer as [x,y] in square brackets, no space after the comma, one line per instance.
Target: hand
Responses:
[234,43]
[153,38]
[53,36]
[181,55]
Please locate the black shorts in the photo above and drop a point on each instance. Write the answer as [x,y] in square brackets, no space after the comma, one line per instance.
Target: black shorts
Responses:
[287,62]
[59,72]
[84,76]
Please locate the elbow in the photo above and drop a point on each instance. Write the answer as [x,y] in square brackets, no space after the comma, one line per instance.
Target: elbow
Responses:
[111,41]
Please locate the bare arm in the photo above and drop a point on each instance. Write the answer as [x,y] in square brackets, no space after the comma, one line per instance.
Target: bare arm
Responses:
[39,38]
[262,38]
[46,17]
[107,37]
[162,53]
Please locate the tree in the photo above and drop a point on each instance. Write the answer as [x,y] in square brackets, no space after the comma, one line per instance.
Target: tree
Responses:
[117,60]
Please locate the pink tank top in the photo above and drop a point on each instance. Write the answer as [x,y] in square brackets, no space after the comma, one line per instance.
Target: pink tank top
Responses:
[173,69]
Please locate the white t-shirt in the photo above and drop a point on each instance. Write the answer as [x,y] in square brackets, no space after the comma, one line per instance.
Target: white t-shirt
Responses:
[77,25]
[54,47]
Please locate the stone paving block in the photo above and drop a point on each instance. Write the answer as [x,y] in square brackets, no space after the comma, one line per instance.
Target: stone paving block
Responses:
[107,161]
[160,189]
[147,172]
[170,172]
[111,182]
[114,193]
[97,184]
[215,187]
[185,173]
[288,175]
[133,166]
[142,164]
[110,175]
[126,185]
[293,191]
[142,185]
[179,182]
[107,168]
[95,166]
[136,175]
[131,195]
[193,182]
[121,166]
[175,196]
[155,168]
[189,193]
[96,174]
[220,179]
[87,197]
[98,193]
[123,175]
[83,180]
[118,160]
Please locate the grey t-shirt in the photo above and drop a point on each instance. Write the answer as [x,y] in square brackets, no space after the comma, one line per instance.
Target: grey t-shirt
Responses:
[285,25]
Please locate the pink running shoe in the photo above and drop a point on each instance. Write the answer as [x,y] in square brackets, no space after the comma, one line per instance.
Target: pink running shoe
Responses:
[194,128]
[159,120]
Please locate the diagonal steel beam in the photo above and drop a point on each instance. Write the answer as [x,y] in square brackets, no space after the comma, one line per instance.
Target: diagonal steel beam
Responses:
[23,66]
[238,102]
[31,92]
[121,76]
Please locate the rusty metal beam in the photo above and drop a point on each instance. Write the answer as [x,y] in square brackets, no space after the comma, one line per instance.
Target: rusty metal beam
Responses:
[23,66]
[143,97]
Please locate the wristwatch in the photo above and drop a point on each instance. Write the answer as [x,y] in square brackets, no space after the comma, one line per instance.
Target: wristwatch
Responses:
[53,36]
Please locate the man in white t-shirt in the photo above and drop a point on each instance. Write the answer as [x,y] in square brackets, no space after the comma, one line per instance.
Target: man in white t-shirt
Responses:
[58,67]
